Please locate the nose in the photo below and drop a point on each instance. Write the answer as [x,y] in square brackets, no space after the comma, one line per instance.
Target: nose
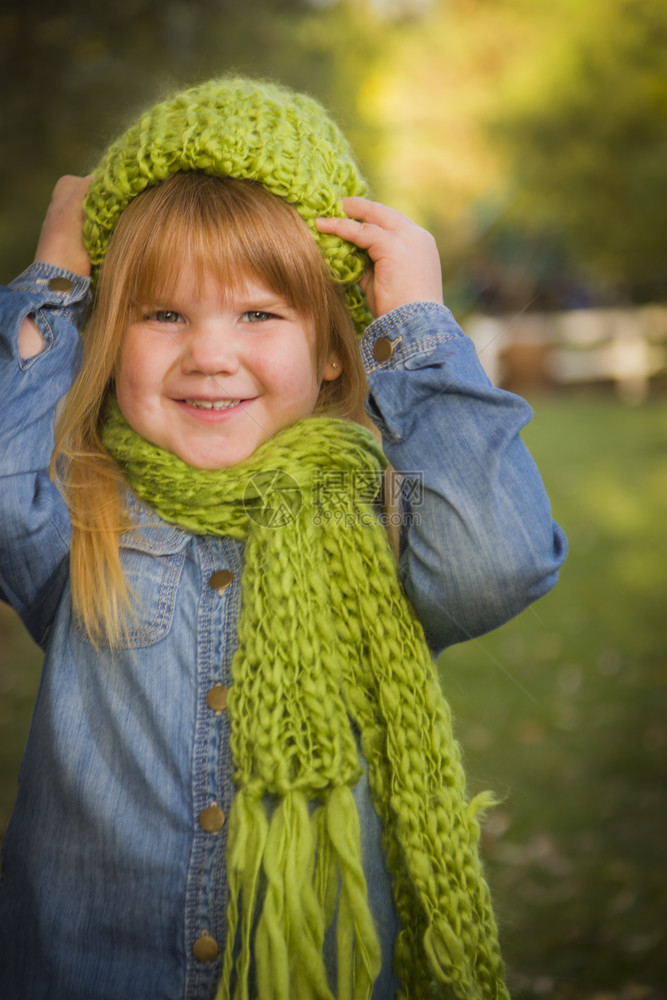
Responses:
[210,349]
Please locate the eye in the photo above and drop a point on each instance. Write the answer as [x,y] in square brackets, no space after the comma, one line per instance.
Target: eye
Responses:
[258,316]
[164,316]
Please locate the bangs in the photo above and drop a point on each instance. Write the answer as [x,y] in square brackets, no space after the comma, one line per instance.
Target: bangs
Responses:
[230,229]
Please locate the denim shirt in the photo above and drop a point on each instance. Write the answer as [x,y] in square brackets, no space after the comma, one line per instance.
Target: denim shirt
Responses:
[113,863]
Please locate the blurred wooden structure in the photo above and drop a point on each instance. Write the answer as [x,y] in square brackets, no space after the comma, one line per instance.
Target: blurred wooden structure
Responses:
[623,348]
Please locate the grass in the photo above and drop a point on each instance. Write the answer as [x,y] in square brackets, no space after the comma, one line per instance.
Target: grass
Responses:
[562,712]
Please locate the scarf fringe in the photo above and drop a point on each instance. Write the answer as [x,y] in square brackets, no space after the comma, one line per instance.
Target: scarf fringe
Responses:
[312,872]
[247,834]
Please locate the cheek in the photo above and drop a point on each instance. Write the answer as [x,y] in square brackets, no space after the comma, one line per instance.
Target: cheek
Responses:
[125,376]
[293,371]
[139,366]
[298,386]
[137,387]
[130,390]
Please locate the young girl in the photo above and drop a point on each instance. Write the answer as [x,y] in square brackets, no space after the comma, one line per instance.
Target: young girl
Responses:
[240,778]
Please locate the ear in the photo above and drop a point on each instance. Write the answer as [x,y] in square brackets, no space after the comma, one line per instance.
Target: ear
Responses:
[333,369]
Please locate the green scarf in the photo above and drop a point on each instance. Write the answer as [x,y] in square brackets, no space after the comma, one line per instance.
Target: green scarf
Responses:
[326,635]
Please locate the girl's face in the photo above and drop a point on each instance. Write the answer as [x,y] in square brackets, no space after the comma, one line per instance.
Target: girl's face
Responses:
[210,377]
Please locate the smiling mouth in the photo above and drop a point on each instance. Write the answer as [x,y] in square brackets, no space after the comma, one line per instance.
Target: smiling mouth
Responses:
[210,404]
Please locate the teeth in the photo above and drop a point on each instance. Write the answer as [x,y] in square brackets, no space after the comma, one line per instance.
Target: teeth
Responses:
[208,404]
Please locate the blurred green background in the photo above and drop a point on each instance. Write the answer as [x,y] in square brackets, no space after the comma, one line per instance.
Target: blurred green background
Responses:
[531,138]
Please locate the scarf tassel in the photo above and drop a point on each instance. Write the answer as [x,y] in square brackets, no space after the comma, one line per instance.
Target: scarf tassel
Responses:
[312,873]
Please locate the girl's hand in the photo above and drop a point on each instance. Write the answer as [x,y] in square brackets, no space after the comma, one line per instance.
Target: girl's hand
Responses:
[61,239]
[406,263]
[61,244]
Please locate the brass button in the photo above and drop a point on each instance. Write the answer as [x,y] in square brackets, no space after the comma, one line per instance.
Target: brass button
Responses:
[216,697]
[383,349]
[212,819]
[205,948]
[61,285]
[220,579]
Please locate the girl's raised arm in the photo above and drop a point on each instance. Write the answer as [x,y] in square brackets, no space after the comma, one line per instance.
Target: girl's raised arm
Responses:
[478,541]
[60,244]
[40,355]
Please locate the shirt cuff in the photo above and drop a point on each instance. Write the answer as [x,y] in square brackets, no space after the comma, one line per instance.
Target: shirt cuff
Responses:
[51,285]
[409,331]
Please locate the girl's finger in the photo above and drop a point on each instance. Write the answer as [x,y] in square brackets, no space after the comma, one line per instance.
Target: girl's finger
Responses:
[375,212]
[362,234]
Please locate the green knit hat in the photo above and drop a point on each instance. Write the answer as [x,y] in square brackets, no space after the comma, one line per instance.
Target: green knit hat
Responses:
[242,128]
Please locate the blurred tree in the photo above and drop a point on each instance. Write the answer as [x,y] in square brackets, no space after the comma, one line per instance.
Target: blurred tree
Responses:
[532,138]
[73,74]
[430,95]
[588,131]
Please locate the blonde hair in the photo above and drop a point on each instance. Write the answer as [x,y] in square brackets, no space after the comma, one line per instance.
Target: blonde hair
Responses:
[232,229]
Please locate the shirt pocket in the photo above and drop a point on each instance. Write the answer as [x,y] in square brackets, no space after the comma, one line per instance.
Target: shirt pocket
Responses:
[153,565]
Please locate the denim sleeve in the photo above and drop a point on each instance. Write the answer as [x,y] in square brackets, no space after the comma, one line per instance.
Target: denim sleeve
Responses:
[34,521]
[478,543]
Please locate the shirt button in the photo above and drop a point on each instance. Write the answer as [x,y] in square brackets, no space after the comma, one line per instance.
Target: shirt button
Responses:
[220,579]
[205,948]
[216,697]
[212,819]
[59,284]
[383,349]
